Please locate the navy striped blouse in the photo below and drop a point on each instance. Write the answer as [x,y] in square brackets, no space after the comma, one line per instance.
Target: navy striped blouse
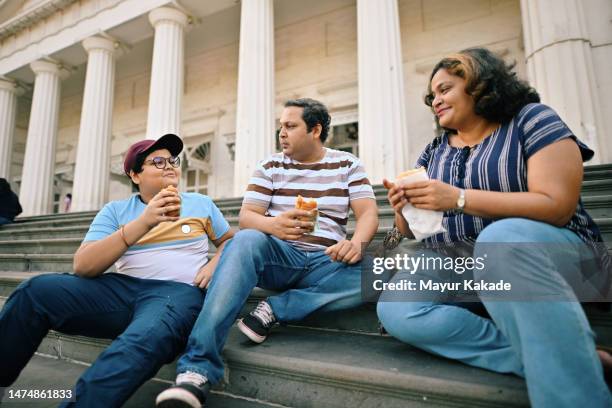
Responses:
[499,163]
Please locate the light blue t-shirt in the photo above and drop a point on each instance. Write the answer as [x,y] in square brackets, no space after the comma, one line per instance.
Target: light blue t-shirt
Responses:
[171,250]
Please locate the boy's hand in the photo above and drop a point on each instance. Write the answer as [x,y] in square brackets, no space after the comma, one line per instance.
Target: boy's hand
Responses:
[204,276]
[161,204]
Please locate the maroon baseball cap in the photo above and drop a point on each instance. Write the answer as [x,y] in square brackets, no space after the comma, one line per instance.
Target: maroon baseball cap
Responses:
[169,141]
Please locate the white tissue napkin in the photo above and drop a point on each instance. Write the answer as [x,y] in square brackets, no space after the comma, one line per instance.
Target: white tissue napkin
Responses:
[422,223]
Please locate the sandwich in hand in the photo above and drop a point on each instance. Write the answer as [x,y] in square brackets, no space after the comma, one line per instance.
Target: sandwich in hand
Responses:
[410,172]
[174,213]
[302,204]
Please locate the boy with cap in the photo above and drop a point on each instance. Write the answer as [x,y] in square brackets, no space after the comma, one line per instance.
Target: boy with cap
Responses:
[148,306]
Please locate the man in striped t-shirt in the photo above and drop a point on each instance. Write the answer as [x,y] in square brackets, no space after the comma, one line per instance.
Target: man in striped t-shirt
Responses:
[283,248]
[325,261]
[335,181]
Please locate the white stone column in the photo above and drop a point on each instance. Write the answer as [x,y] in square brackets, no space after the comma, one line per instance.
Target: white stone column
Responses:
[36,192]
[8,110]
[166,91]
[383,132]
[560,65]
[91,173]
[255,131]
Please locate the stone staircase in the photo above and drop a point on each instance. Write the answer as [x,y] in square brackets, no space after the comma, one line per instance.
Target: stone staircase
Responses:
[329,360]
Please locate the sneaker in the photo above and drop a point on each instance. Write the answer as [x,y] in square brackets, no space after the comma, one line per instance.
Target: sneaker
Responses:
[257,324]
[190,391]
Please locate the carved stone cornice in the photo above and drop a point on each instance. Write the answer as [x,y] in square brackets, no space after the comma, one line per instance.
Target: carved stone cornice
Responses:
[31,16]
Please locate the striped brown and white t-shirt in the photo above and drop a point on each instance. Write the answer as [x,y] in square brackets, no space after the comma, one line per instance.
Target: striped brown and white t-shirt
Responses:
[333,182]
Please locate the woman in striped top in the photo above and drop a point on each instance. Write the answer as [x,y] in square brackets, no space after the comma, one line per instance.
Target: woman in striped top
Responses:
[506,170]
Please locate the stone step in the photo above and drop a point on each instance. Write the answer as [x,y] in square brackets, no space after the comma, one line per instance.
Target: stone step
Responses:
[301,367]
[359,320]
[602,172]
[46,217]
[70,245]
[90,214]
[46,231]
[598,207]
[15,245]
[62,262]
[36,262]
[597,187]
[605,173]
[597,167]
[41,373]
[50,223]
[605,226]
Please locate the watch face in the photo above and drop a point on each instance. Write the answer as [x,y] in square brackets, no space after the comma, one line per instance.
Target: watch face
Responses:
[461,200]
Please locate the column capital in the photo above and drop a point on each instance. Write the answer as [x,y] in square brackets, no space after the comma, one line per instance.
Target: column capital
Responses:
[99,43]
[168,14]
[45,66]
[8,84]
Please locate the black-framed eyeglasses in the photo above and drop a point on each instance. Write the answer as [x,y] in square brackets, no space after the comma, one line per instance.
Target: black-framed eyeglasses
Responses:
[160,162]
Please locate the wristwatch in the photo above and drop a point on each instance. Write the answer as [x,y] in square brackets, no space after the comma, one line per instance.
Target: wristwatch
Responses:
[461,201]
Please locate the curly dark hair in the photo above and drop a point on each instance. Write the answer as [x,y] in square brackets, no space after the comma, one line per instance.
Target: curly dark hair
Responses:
[498,93]
[314,113]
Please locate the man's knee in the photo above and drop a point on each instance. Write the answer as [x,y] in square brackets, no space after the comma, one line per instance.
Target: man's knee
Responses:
[250,238]
[247,244]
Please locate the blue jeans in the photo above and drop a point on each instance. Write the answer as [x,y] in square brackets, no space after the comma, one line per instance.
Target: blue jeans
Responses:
[550,343]
[149,321]
[312,282]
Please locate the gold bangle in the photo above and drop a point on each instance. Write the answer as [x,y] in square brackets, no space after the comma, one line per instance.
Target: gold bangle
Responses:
[122,235]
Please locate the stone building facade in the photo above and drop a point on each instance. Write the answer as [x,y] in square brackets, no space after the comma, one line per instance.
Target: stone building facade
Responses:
[80,80]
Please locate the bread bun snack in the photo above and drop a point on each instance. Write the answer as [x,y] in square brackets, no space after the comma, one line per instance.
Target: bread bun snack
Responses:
[410,172]
[423,223]
[301,204]
[175,213]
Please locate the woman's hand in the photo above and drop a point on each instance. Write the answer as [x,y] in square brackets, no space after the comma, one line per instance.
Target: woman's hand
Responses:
[162,203]
[395,195]
[432,195]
